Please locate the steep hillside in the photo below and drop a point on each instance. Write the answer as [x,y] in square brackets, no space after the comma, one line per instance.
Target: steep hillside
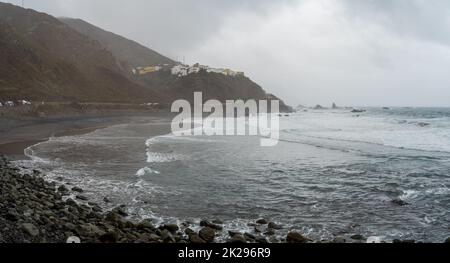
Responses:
[216,86]
[212,85]
[132,54]
[42,58]
[129,53]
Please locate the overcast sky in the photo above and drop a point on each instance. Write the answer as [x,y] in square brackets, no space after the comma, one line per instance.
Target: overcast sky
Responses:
[352,52]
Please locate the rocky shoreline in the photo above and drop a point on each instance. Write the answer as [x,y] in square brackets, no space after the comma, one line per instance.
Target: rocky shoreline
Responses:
[33,210]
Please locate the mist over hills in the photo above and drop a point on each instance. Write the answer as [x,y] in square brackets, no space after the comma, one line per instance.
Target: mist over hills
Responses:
[45,59]
[129,53]
[50,59]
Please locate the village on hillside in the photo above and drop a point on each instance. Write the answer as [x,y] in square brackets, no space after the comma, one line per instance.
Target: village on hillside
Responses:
[182,70]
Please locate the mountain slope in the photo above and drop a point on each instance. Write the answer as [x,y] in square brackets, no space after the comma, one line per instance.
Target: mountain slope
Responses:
[129,53]
[132,54]
[212,85]
[44,59]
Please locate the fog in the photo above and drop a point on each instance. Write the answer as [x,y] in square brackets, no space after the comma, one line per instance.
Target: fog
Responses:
[351,52]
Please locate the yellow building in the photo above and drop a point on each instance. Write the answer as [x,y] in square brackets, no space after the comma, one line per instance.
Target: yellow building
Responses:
[147,70]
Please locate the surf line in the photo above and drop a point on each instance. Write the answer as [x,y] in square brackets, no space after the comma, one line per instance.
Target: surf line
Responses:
[239,118]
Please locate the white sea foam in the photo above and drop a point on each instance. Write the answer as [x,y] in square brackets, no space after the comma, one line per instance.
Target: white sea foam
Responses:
[146,171]
[409,195]
[155,157]
[375,240]
[370,129]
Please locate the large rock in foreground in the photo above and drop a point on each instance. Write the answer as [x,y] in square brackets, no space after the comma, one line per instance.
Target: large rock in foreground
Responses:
[294,237]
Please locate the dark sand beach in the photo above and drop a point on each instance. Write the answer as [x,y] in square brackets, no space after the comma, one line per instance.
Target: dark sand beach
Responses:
[16,134]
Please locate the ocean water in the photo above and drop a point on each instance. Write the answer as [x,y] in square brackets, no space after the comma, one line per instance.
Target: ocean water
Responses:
[333,173]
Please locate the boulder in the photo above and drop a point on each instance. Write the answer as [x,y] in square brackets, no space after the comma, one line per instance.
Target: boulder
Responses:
[189,232]
[206,223]
[145,224]
[71,202]
[275,226]
[70,226]
[77,189]
[238,239]
[233,233]
[113,217]
[208,234]
[195,239]
[339,240]
[258,229]
[261,239]
[30,229]
[423,124]
[261,221]
[171,227]
[82,197]
[295,237]
[12,215]
[91,230]
[63,189]
[319,107]
[121,211]
[358,237]
[270,232]
[109,237]
[399,202]
[167,237]
[217,222]
[249,236]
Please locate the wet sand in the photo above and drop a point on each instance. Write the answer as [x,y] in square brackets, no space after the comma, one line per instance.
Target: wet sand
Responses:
[18,134]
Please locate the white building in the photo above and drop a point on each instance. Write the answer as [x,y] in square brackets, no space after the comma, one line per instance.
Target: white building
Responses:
[184,70]
[24,102]
[180,70]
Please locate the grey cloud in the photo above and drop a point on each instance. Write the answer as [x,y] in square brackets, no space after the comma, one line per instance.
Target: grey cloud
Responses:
[428,20]
[352,52]
[172,27]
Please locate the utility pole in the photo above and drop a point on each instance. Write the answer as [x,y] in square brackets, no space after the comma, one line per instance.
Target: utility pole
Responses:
[23,3]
